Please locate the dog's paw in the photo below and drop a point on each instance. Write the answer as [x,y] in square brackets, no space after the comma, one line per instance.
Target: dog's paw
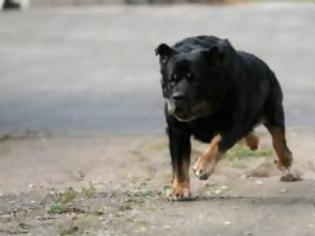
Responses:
[290,177]
[179,193]
[202,169]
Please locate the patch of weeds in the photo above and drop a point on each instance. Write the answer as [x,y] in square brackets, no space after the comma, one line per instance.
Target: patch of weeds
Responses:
[69,228]
[63,201]
[89,191]
[79,225]
[65,231]
[137,197]
[241,151]
[166,190]
[68,196]
[143,191]
[57,208]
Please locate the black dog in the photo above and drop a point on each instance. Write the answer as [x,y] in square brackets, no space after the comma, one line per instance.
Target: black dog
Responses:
[218,95]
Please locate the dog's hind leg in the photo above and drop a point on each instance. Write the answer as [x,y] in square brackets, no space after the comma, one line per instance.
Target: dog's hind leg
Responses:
[275,125]
[252,140]
[284,160]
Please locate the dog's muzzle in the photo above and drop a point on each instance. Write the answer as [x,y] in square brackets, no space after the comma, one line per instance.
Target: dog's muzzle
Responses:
[179,110]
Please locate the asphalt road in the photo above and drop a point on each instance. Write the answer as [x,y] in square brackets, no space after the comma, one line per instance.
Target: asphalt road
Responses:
[93,70]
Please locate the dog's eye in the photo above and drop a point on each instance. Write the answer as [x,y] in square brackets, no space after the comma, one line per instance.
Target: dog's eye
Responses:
[174,77]
[164,60]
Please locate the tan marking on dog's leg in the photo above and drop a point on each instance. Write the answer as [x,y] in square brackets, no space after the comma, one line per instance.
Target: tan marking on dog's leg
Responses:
[279,144]
[284,154]
[181,184]
[252,141]
[206,163]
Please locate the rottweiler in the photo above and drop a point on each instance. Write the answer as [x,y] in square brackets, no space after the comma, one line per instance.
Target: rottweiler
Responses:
[218,95]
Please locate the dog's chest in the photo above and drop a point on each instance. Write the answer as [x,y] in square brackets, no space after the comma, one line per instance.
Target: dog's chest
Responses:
[205,129]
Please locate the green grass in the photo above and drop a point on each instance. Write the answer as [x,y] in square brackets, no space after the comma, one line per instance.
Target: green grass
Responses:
[66,199]
[61,204]
[68,196]
[88,191]
[57,208]
[241,151]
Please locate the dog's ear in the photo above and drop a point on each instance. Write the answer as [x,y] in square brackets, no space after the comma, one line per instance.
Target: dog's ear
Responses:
[214,55]
[164,50]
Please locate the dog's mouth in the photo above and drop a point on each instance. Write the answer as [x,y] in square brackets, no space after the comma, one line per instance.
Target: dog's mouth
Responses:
[183,116]
[188,113]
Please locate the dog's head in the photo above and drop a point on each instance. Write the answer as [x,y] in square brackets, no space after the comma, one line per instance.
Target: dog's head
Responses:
[192,82]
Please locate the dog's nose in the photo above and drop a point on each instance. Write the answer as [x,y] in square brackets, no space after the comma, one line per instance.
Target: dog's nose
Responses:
[178,96]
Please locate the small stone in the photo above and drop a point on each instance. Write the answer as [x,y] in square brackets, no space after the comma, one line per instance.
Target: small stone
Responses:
[284,190]
[143,229]
[259,182]
[32,201]
[81,174]
[166,227]
[227,222]
[218,191]
[248,233]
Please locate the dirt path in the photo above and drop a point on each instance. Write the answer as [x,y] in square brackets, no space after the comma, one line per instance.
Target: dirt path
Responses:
[117,186]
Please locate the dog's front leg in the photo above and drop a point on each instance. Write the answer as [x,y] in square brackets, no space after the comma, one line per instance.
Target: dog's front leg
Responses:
[206,163]
[180,149]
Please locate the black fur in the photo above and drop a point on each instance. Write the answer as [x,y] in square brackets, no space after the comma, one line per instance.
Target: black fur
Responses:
[211,88]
